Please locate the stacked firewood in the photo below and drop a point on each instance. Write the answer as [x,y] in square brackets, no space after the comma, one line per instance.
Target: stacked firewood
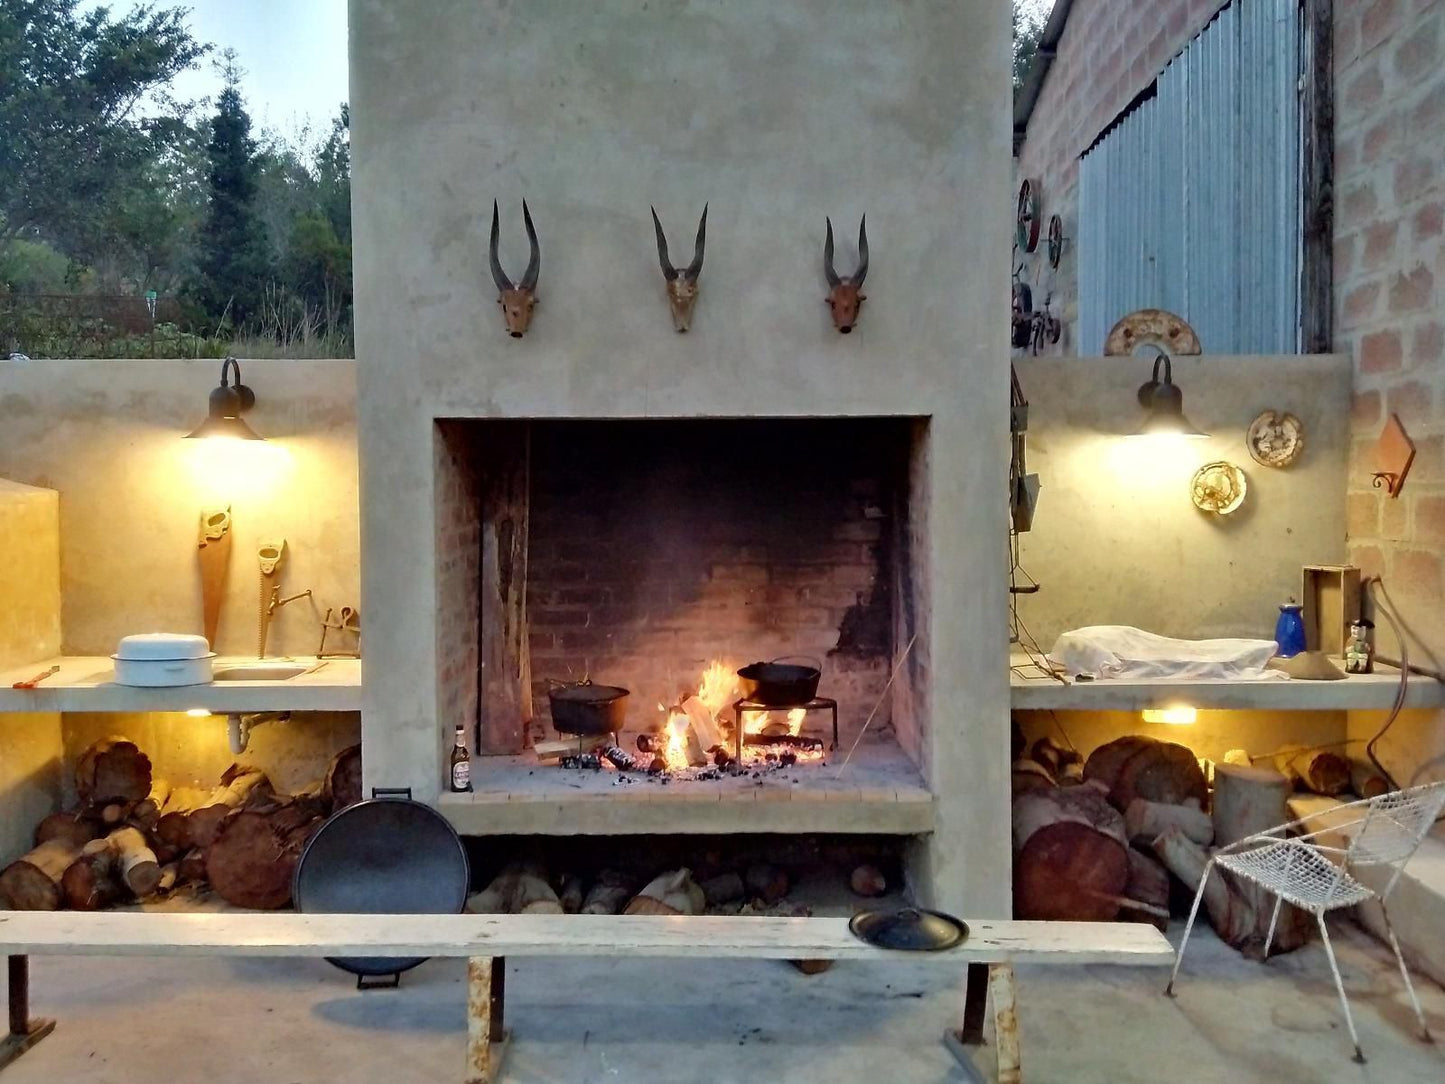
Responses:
[134,837]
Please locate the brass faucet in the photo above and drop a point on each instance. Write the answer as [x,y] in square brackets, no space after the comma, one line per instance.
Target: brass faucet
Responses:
[270,556]
[269,613]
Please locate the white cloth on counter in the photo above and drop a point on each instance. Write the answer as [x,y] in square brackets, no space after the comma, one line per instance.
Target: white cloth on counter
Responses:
[1124,653]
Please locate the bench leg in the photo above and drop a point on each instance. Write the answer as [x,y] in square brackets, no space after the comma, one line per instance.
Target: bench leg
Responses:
[988,982]
[486,1033]
[24,1032]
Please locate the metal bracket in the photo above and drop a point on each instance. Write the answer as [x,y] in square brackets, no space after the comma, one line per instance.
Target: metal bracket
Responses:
[391,792]
[379,982]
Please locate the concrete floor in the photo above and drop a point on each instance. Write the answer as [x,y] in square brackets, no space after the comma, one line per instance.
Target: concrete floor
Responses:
[139,1021]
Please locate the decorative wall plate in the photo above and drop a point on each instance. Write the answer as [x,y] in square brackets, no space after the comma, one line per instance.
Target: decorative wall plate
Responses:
[1218,488]
[1275,439]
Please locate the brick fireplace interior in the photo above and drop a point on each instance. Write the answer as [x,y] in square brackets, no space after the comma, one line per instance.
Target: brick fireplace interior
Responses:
[639,553]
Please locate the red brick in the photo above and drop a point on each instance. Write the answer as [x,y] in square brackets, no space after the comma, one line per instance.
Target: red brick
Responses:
[1365,408]
[1394,518]
[1381,352]
[1380,20]
[1379,245]
[1429,465]
[1411,402]
[1370,560]
[1419,53]
[1415,575]
[1429,112]
[1379,139]
[1429,517]
[1359,304]
[1414,177]
[1359,202]
[1429,222]
[1362,515]
[1344,256]
[1363,92]
[1410,291]
[1427,345]
[1347,155]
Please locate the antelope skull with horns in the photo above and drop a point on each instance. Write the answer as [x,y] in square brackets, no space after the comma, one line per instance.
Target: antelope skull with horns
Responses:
[844,298]
[681,282]
[517,300]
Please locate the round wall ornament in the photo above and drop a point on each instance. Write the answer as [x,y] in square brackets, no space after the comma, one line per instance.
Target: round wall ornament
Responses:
[1275,439]
[1218,488]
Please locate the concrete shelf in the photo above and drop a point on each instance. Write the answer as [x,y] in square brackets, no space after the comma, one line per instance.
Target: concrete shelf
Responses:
[85,683]
[1032,689]
[880,793]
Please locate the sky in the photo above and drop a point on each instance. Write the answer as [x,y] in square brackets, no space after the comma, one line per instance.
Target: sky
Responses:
[293,53]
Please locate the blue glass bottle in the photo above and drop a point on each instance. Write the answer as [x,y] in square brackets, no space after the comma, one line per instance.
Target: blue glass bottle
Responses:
[1289,630]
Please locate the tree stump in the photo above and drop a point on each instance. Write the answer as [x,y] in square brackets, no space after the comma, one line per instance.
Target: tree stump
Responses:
[253,858]
[1070,855]
[1138,767]
[112,770]
[32,882]
[342,785]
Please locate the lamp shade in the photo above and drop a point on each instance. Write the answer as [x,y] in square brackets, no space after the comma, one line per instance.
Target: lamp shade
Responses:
[226,405]
[1164,402]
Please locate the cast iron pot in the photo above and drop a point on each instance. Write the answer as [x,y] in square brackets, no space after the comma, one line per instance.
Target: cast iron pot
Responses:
[386,856]
[587,709]
[779,684]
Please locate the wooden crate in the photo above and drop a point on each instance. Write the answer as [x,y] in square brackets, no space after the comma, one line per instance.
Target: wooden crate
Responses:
[1331,598]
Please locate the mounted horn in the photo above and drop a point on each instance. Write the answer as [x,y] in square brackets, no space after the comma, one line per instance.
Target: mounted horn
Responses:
[518,300]
[682,285]
[844,298]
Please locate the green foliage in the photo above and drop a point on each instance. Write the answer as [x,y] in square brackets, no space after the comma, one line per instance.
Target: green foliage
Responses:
[1028,29]
[31,267]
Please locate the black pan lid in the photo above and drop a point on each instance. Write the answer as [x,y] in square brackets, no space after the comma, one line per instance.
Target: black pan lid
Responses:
[909,929]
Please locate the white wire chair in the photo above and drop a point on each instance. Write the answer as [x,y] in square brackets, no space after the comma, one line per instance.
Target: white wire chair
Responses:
[1318,878]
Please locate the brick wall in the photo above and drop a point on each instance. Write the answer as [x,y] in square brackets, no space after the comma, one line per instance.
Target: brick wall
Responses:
[658,547]
[458,556]
[1390,299]
[1110,51]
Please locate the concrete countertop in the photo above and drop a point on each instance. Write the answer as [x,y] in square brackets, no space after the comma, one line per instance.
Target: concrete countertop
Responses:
[86,683]
[1032,689]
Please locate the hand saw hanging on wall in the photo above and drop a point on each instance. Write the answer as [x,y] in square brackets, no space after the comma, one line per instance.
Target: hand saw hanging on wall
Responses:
[214,547]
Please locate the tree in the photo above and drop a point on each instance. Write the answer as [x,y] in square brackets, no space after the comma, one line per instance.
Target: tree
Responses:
[1029,20]
[233,264]
[71,144]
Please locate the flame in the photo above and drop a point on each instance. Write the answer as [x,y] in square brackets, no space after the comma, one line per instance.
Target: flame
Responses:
[676,751]
[719,687]
[757,722]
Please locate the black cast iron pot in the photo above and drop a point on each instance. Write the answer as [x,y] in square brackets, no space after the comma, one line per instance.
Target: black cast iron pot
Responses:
[588,709]
[779,684]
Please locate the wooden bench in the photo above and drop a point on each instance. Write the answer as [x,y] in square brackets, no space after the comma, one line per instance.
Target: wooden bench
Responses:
[990,952]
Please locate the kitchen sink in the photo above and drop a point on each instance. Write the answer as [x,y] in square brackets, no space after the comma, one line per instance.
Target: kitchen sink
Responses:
[269,671]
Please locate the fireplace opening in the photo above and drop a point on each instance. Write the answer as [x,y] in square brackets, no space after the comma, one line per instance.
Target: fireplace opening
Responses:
[663,556]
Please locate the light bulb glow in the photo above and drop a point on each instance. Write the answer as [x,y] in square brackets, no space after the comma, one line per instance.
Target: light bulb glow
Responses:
[1175,715]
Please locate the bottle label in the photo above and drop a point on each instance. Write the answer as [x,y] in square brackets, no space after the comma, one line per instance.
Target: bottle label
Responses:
[461,775]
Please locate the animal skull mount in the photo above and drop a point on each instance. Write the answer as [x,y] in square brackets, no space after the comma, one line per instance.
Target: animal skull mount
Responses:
[844,298]
[681,283]
[519,299]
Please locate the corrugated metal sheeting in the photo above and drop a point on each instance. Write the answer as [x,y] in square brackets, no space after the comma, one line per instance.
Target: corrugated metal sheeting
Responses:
[1191,202]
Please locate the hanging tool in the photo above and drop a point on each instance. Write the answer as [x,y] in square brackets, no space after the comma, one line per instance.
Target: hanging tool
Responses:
[30,683]
[214,548]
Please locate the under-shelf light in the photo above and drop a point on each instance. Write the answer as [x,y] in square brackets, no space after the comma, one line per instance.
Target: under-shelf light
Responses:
[1175,715]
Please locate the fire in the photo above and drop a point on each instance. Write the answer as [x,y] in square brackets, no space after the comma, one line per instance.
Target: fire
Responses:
[763,722]
[675,753]
[719,687]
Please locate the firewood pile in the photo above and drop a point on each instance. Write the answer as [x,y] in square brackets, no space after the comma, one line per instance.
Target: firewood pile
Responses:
[133,837]
[1127,833]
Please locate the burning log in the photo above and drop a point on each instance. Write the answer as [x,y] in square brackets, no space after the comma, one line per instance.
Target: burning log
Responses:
[135,861]
[74,828]
[253,858]
[1070,855]
[342,785]
[620,759]
[1145,821]
[674,893]
[608,893]
[32,882]
[1139,767]
[91,882]
[1315,770]
[868,881]
[703,724]
[112,770]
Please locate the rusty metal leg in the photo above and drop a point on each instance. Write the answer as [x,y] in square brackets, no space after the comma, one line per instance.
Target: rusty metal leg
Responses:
[1005,1023]
[24,1032]
[486,1039]
[988,983]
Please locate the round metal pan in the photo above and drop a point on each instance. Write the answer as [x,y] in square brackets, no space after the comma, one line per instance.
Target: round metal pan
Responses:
[779,684]
[383,856]
[588,709]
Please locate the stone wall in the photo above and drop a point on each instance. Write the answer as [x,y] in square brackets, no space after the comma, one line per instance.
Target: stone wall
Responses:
[1389,296]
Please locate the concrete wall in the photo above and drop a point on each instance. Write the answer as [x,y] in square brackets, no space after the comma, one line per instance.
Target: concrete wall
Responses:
[29,630]
[1117,539]
[107,435]
[1212,734]
[776,114]
[1110,51]
[1389,294]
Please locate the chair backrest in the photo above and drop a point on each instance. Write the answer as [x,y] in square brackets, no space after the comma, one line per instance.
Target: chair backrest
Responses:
[1394,824]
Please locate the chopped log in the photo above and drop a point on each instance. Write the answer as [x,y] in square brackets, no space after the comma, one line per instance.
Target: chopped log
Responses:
[709,734]
[1070,855]
[766,882]
[1229,913]
[74,828]
[253,857]
[114,813]
[112,770]
[812,967]
[1317,771]
[1071,774]
[1366,780]
[1145,821]
[572,893]
[238,790]
[868,881]
[91,882]
[148,810]
[608,893]
[1054,756]
[496,898]
[342,786]
[1147,891]
[1238,756]
[558,748]
[192,867]
[724,888]
[674,893]
[170,874]
[520,889]
[1030,775]
[32,882]
[173,827]
[1140,767]
[135,861]
[1247,800]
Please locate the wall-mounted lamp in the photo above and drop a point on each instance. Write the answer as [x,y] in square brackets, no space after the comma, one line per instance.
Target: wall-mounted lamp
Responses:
[228,402]
[1178,715]
[1164,402]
